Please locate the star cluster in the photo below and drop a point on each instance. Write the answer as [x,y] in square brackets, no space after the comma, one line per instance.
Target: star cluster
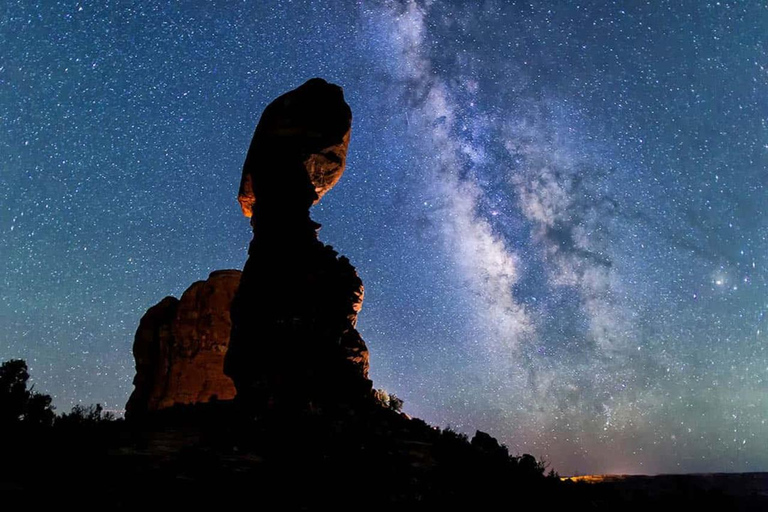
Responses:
[558,209]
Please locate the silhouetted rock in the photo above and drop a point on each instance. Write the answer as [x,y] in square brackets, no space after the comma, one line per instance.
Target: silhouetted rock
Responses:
[293,340]
[180,345]
[305,131]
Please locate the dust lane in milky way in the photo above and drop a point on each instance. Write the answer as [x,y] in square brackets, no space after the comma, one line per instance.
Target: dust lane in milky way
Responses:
[558,211]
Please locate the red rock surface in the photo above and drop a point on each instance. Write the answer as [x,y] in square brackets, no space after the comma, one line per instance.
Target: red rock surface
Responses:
[180,346]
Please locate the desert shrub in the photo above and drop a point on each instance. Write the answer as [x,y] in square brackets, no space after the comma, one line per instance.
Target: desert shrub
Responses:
[82,415]
[529,466]
[395,403]
[454,437]
[388,400]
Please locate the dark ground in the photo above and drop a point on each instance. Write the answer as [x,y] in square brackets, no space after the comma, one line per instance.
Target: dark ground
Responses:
[200,458]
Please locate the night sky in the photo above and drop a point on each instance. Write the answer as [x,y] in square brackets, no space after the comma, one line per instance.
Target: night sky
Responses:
[558,209]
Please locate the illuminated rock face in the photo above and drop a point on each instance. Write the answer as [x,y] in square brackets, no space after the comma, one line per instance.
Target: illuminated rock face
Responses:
[180,346]
[293,340]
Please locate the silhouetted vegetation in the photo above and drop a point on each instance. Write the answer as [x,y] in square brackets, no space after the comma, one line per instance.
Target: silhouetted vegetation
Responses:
[395,403]
[212,444]
[22,407]
[210,456]
[19,405]
[83,416]
[388,400]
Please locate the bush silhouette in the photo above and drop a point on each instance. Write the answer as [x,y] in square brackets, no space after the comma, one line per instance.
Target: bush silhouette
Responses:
[19,404]
[39,410]
[530,466]
[395,403]
[82,415]
[388,400]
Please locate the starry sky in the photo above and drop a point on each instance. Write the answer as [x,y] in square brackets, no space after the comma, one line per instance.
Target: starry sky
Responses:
[558,209]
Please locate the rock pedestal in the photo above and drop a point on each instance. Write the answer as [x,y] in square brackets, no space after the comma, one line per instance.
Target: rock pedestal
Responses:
[293,341]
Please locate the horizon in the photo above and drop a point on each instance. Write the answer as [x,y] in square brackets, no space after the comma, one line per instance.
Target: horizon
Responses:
[557,212]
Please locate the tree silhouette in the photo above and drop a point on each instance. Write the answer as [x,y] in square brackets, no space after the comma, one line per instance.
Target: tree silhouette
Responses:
[39,410]
[19,404]
[13,390]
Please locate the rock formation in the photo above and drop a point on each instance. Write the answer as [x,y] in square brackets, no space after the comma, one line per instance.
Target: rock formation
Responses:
[305,430]
[180,346]
[310,128]
[293,339]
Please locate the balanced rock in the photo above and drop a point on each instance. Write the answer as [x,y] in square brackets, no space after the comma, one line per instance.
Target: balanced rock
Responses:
[305,130]
[294,341]
[180,346]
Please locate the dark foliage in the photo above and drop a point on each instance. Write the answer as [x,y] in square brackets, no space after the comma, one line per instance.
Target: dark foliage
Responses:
[17,403]
[39,411]
[211,456]
[388,400]
[395,403]
[83,416]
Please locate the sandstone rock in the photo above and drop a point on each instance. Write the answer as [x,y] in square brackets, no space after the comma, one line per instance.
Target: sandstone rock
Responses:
[180,346]
[306,131]
[293,337]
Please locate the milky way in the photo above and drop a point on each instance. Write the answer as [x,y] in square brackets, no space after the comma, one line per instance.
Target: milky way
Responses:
[558,211]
